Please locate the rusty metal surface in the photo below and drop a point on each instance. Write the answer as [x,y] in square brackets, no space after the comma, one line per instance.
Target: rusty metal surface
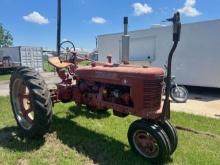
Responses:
[108,71]
[125,89]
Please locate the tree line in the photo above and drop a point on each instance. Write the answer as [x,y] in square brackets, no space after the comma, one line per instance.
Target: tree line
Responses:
[6,39]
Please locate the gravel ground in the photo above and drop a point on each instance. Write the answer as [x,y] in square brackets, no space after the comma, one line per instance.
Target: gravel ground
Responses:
[202,101]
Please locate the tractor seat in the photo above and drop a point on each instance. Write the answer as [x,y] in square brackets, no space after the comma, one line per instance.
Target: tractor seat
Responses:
[55,61]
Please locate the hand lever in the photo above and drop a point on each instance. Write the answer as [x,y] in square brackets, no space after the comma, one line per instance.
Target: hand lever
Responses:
[176,26]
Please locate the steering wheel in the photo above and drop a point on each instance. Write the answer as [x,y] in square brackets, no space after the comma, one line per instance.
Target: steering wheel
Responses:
[71,68]
[66,48]
[68,42]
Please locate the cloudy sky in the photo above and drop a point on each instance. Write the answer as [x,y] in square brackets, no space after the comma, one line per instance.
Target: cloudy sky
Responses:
[33,22]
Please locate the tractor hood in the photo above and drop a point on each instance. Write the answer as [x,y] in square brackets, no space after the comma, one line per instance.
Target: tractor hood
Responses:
[117,73]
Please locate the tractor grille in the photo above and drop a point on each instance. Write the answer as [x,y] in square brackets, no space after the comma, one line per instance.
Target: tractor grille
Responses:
[152,94]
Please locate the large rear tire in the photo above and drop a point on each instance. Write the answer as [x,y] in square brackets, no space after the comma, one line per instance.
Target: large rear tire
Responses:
[149,140]
[31,103]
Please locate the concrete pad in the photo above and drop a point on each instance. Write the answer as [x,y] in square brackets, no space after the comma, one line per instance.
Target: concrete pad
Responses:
[209,109]
[202,101]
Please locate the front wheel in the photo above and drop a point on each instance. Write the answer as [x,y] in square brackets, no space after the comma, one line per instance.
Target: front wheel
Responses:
[171,133]
[149,140]
[31,103]
[179,94]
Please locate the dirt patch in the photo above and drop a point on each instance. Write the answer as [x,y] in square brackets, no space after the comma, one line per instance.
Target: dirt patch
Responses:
[22,162]
[196,132]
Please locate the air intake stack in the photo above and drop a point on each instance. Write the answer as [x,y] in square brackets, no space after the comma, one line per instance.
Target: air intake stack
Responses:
[125,43]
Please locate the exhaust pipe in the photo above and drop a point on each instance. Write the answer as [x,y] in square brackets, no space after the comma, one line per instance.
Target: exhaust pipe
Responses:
[125,43]
[176,38]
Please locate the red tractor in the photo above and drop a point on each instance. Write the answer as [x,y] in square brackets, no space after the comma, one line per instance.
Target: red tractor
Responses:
[124,88]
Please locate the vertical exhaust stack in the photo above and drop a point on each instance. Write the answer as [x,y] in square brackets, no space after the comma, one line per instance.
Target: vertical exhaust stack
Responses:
[125,43]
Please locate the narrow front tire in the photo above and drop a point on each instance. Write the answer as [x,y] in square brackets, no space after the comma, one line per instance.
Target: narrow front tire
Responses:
[149,140]
[171,132]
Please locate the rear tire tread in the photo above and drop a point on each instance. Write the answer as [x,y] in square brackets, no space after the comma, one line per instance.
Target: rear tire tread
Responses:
[41,102]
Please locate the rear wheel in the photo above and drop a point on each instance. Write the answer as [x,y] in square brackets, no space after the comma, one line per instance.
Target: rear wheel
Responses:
[31,103]
[171,133]
[179,94]
[149,140]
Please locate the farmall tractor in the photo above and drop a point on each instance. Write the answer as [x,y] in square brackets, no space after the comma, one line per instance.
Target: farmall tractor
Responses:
[124,88]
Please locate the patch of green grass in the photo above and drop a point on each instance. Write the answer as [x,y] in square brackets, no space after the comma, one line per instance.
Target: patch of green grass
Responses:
[81,137]
[47,67]
[198,123]
[85,63]
[5,77]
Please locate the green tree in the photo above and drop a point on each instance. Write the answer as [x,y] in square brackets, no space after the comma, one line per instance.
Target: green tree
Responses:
[6,38]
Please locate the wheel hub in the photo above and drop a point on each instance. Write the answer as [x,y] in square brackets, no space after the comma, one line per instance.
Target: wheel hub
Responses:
[22,104]
[146,144]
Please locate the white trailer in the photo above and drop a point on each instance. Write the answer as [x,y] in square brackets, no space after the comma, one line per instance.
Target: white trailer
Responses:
[24,56]
[196,61]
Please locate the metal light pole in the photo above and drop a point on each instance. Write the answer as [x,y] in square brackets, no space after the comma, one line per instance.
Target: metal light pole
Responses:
[59,10]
